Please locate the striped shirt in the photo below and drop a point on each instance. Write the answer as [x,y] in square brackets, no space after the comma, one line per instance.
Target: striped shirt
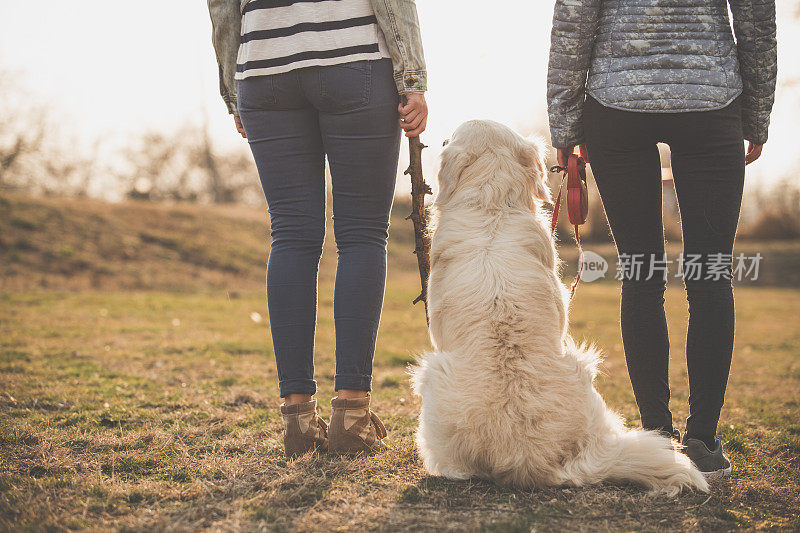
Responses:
[283,35]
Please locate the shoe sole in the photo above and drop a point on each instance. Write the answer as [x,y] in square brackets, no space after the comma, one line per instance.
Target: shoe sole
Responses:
[360,451]
[719,474]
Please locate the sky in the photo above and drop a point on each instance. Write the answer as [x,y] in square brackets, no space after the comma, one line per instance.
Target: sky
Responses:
[111,70]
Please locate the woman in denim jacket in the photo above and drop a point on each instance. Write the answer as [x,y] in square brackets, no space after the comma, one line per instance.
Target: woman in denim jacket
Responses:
[625,75]
[306,80]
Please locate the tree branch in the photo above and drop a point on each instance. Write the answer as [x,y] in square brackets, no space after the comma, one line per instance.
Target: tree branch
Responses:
[419,217]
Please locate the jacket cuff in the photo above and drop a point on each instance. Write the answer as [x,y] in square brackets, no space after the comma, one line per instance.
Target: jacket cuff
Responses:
[411,81]
[230,102]
[755,128]
[566,139]
[566,125]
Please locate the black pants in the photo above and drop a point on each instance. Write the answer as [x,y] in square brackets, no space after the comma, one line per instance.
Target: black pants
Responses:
[708,169]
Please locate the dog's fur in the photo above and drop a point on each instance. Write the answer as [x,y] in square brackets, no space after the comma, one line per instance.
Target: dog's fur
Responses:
[507,395]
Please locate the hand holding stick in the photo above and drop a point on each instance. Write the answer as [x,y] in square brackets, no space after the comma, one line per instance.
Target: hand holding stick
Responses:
[422,243]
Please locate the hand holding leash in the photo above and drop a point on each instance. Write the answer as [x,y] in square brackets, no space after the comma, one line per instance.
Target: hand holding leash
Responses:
[562,155]
[574,168]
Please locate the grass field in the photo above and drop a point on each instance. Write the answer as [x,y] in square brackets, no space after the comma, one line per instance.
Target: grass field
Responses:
[148,400]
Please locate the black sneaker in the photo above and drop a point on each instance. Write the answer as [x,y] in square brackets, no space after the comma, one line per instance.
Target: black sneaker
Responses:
[675,435]
[712,464]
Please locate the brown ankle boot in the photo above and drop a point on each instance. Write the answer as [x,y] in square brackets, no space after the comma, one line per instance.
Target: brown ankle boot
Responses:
[354,428]
[303,429]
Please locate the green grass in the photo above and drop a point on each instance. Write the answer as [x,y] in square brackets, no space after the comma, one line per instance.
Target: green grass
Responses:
[157,409]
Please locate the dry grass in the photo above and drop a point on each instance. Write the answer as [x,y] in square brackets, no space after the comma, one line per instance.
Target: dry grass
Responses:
[76,244]
[776,212]
[142,410]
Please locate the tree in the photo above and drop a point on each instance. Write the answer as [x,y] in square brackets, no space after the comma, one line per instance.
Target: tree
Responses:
[185,166]
[21,135]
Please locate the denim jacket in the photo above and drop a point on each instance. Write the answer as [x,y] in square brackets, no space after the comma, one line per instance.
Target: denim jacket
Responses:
[397,19]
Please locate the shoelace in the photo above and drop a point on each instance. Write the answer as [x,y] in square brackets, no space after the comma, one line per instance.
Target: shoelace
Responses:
[323,426]
[380,429]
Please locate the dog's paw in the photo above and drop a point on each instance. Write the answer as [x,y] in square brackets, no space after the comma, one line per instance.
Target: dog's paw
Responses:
[454,475]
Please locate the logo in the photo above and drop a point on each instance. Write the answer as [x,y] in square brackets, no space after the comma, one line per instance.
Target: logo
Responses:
[594,266]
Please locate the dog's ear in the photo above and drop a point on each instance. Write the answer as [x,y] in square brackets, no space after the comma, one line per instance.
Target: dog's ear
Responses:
[454,162]
[531,156]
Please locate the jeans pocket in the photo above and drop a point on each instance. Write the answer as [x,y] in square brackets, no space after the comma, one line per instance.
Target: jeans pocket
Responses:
[345,87]
[257,92]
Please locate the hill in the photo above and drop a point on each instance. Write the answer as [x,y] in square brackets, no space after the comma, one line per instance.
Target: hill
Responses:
[73,244]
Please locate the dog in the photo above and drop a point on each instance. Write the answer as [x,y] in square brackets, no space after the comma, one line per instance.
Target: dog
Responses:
[507,395]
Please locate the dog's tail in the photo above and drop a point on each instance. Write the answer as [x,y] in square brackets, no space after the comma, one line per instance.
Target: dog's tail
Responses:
[646,458]
[620,454]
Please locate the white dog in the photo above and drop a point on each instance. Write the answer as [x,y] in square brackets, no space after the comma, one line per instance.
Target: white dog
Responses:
[507,395]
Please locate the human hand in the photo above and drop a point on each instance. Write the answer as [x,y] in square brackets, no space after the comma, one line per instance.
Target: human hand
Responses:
[238,121]
[753,152]
[562,154]
[413,114]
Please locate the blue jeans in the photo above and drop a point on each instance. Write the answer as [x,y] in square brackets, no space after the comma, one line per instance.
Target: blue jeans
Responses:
[293,120]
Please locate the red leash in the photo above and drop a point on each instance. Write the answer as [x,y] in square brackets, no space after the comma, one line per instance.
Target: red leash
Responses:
[577,204]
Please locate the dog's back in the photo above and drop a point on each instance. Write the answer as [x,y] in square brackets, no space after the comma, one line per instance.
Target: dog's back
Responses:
[493,277]
[498,315]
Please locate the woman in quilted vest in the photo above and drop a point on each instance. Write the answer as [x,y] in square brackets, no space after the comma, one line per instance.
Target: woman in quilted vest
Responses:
[625,75]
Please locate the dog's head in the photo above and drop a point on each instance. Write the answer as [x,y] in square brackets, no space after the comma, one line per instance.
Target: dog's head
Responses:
[489,163]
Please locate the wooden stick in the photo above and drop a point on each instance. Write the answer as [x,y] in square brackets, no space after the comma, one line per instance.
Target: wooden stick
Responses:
[422,243]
